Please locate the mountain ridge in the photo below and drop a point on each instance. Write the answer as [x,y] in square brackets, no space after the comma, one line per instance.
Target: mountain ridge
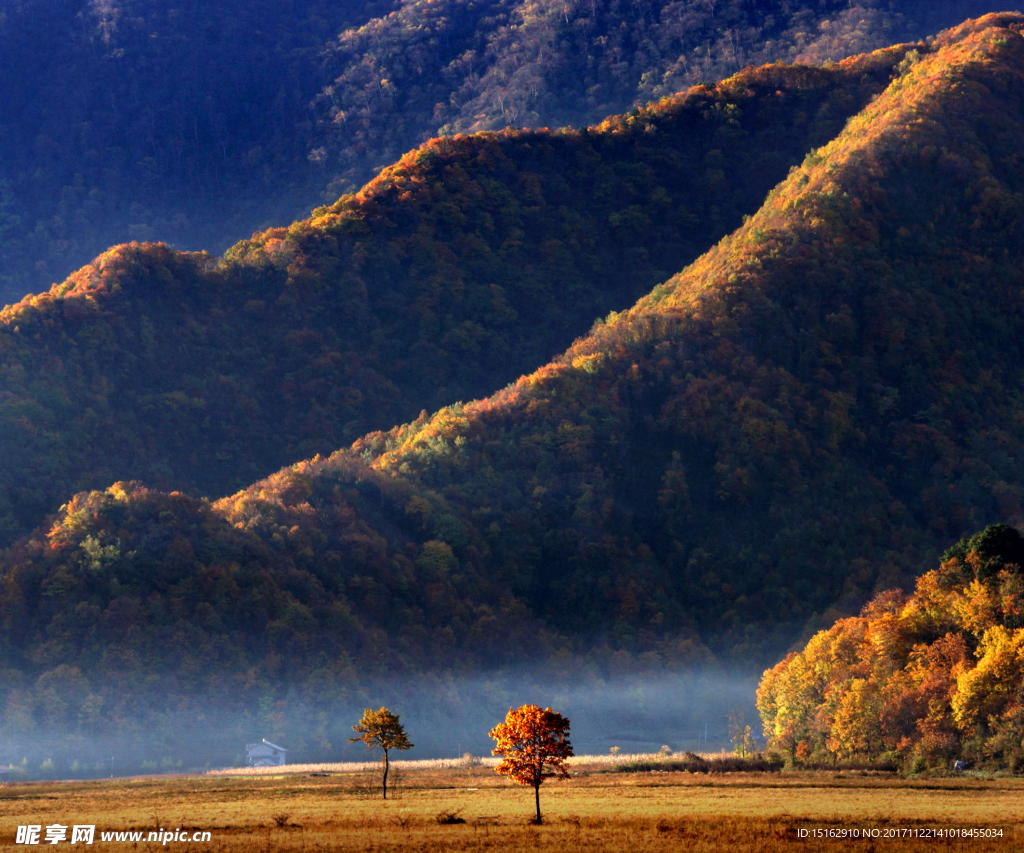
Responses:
[737,469]
[196,123]
[470,261]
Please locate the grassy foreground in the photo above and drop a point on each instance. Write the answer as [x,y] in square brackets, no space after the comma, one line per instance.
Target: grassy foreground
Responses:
[595,811]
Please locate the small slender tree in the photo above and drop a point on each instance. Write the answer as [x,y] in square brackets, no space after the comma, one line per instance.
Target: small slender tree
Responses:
[742,736]
[534,746]
[381,730]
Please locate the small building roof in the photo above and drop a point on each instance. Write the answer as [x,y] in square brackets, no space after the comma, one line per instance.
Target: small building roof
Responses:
[265,742]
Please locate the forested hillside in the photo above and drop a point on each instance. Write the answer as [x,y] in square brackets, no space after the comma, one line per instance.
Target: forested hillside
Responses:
[441,66]
[921,679]
[814,407]
[809,412]
[195,123]
[471,261]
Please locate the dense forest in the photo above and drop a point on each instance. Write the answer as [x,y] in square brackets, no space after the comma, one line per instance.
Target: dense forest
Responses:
[813,408]
[188,122]
[472,260]
[195,123]
[807,414]
[921,679]
[463,65]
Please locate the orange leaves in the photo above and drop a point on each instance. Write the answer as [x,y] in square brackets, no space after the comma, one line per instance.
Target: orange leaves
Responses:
[902,676]
[534,745]
[855,730]
[985,690]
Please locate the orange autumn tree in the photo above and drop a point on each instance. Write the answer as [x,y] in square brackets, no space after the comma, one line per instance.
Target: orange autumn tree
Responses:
[534,745]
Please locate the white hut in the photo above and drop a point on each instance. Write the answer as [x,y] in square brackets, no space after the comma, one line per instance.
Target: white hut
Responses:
[265,754]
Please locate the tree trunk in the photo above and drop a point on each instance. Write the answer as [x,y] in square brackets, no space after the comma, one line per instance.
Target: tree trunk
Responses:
[385,774]
[536,792]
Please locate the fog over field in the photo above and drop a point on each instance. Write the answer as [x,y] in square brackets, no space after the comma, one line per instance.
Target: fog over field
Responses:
[682,711]
[444,716]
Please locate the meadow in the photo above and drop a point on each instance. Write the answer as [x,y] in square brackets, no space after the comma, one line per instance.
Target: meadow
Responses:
[599,809]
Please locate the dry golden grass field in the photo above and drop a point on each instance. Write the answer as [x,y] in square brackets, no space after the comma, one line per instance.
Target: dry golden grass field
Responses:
[597,810]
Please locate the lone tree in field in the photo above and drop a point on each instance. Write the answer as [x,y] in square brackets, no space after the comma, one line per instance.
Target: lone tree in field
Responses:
[381,730]
[534,746]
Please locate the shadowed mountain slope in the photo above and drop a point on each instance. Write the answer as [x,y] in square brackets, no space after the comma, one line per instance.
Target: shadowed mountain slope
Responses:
[472,260]
[185,121]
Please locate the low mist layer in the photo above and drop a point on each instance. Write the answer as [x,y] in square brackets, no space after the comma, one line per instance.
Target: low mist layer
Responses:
[444,718]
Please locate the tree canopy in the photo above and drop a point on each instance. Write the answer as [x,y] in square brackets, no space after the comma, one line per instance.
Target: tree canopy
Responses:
[921,679]
[382,730]
[534,745]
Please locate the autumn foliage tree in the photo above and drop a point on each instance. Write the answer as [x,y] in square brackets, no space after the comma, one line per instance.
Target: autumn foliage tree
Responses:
[533,745]
[381,730]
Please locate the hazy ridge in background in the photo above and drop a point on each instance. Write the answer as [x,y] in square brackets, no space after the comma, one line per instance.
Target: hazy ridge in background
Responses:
[197,123]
